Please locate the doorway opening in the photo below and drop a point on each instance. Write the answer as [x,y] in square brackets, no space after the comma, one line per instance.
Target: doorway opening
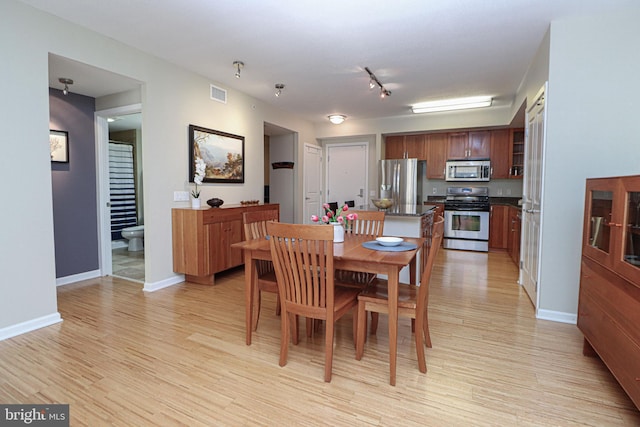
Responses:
[125,196]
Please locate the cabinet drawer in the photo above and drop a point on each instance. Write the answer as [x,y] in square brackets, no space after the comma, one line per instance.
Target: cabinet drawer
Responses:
[616,349]
[619,298]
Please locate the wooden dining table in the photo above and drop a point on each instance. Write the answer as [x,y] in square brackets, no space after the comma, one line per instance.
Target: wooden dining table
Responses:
[348,255]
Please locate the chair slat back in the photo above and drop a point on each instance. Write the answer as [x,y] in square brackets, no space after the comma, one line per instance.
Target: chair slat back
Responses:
[255,222]
[255,227]
[303,259]
[425,277]
[369,223]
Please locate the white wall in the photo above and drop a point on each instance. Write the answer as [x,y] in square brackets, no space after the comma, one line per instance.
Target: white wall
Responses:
[592,131]
[281,181]
[172,99]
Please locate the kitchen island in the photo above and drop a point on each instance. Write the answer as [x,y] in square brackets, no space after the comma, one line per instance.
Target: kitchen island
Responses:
[408,221]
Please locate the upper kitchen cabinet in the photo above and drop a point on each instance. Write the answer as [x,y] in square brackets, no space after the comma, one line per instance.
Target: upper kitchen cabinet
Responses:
[469,145]
[436,155]
[500,154]
[405,147]
[516,153]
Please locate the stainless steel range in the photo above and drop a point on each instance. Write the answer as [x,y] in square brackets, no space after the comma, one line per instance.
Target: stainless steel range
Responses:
[466,218]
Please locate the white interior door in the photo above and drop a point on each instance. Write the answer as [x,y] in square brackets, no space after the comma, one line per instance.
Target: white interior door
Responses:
[347,173]
[532,196]
[312,181]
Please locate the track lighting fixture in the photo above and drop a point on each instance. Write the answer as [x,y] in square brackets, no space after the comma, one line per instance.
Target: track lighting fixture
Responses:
[66,83]
[336,119]
[279,87]
[239,66]
[373,81]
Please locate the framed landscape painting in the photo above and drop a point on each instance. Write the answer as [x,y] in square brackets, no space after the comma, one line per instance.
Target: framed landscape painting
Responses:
[59,145]
[223,155]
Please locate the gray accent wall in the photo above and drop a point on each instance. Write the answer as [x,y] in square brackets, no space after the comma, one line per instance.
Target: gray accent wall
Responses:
[75,217]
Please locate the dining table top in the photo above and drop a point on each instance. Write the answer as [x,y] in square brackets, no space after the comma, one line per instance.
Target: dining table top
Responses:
[351,249]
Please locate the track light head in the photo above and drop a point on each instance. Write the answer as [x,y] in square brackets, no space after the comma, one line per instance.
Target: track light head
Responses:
[66,82]
[239,66]
[373,81]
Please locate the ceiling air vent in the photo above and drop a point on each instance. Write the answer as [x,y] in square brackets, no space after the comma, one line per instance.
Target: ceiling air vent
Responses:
[218,94]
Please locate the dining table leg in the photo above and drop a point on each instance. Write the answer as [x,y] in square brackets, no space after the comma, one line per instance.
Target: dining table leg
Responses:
[249,279]
[392,283]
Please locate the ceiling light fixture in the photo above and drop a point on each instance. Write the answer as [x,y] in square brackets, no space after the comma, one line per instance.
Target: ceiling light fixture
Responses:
[452,104]
[373,81]
[336,119]
[239,66]
[66,83]
[279,87]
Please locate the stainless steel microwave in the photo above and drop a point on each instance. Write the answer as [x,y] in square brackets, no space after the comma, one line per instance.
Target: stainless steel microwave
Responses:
[468,170]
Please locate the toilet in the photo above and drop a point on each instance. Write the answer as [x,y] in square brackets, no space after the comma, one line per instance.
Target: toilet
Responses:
[135,237]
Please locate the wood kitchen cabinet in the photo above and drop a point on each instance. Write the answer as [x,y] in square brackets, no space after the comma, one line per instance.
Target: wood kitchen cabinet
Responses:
[516,153]
[405,147]
[515,227]
[609,298]
[202,240]
[498,227]
[500,154]
[436,155]
[469,145]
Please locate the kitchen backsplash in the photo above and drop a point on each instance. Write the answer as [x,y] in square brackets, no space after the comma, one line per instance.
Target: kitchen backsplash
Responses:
[497,187]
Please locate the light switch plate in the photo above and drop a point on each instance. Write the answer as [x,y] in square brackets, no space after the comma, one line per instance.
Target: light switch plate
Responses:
[180,196]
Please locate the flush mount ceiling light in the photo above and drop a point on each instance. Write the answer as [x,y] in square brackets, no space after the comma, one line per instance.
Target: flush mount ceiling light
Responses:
[452,104]
[336,119]
[373,81]
[66,83]
[239,66]
[279,87]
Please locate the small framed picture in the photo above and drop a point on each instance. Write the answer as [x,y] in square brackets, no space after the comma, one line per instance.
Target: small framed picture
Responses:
[59,144]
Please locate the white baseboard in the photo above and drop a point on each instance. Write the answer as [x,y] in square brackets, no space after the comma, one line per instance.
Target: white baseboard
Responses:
[152,287]
[557,316]
[29,325]
[77,277]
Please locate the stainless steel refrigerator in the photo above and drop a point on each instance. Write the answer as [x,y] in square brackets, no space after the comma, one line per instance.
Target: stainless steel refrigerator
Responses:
[398,180]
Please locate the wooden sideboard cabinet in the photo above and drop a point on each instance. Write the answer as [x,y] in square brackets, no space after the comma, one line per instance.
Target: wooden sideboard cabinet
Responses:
[609,303]
[202,239]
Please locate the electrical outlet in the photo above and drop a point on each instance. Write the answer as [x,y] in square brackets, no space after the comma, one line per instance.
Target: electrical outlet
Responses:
[435,190]
[180,196]
[508,191]
[499,191]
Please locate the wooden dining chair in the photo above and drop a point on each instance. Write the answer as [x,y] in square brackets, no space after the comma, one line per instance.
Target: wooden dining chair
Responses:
[413,301]
[255,227]
[303,260]
[369,224]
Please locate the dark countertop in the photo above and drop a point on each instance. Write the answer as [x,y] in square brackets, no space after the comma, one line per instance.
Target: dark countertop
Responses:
[407,210]
[505,201]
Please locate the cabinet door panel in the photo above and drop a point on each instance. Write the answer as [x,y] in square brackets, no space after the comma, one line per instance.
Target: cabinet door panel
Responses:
[479,145]
[457,145]
[437,155]
[500,154]
[415,147]
[394,147]
[498,227]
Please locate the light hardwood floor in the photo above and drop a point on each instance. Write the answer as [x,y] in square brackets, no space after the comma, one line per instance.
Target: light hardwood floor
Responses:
[178,357]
